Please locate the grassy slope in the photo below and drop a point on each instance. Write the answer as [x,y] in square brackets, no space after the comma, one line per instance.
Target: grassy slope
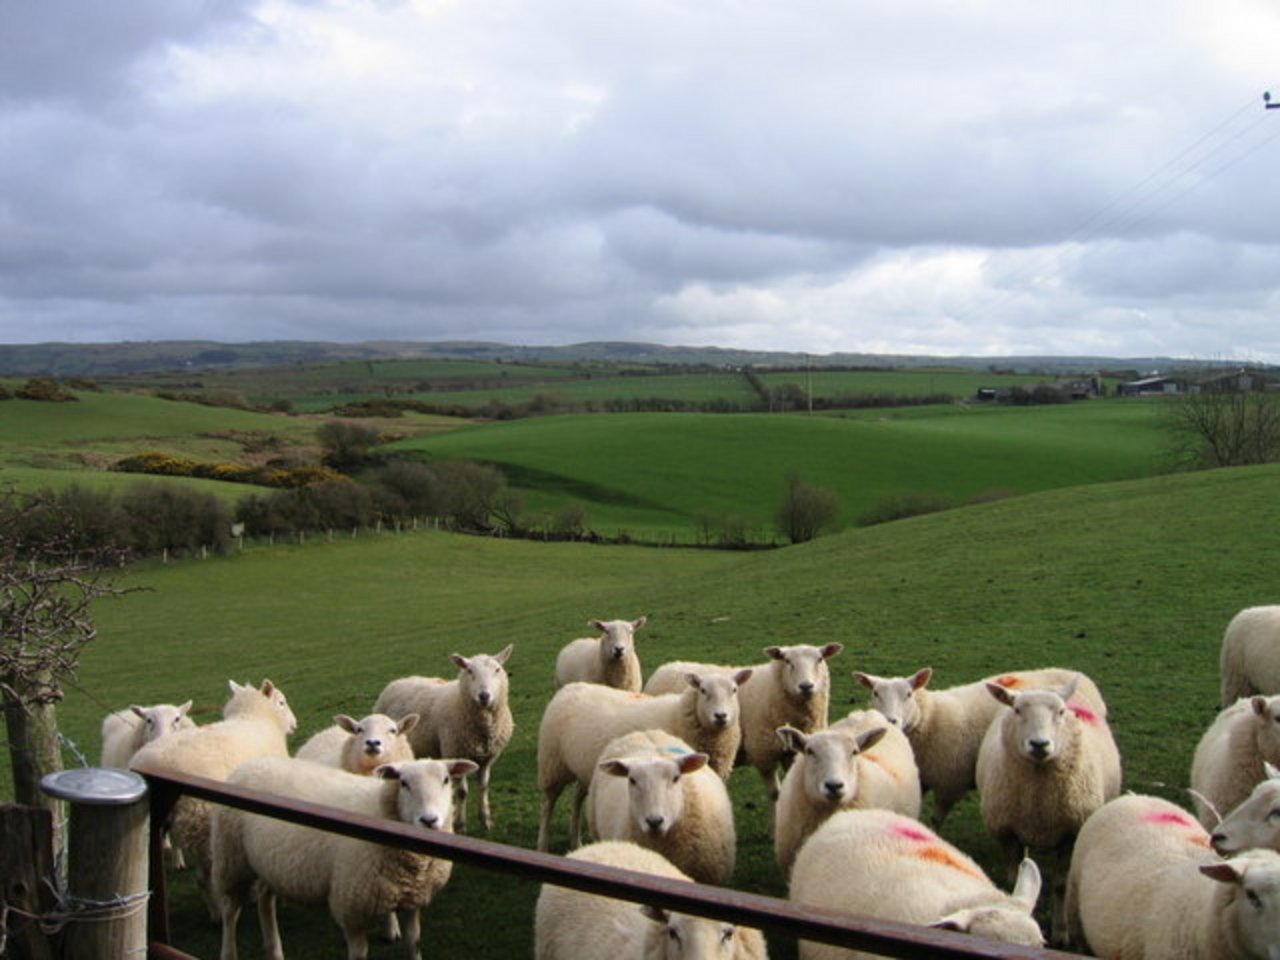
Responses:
[1132,582]
[653,472]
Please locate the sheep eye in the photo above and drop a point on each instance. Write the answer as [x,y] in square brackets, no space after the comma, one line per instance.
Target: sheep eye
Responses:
[674,934]
[676,778]
[1273,814]
[1255,901]
[632,781]
[726,934]
[403,785]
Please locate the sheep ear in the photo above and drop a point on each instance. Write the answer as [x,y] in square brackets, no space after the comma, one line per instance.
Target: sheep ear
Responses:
[656,914]
[921,677]
[387,771]
[1069,688]
[743,675]
[693,680]
[866,679]
[267,688]
[774,653]
[831,649]
[1259,705]
[459,660]
[235,687]
[1272,771]
[347,723]
[460,768]
[1222,872]
[793,739]
[407,723]
[1000,693]
[598,624]
[140,712]
[615,768]
[869,738]
[637,624]
[505,653]
[958,921]
[184,708]
[692,762]
[1027,887]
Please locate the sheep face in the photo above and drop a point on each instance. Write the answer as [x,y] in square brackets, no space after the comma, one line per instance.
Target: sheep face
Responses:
[1255,823]
[161,719]
[655,794]
[895,696]
[273,694]
[1037,722]
[1256,907]
[717,700]
[830,773]
[425,794]
[484,678]
[681,937]
[804,668]
[618,637]
[373,737]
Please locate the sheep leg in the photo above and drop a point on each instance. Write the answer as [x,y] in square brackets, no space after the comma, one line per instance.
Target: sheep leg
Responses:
[1059,931]
[357,942]
[230,920]
[482,784]
[550,795]
[575,820]
[460,791]
[392,932]
[272,948]
[411,924]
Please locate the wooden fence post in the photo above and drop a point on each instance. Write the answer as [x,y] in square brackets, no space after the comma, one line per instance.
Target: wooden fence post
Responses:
[26,890]
[106,898]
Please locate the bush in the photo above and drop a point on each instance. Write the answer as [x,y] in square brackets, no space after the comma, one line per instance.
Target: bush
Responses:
[346,444]
[164,517]
[45,389]
[898,506]
[806,510]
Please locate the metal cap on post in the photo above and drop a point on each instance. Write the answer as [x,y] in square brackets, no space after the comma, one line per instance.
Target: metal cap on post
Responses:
[106,898]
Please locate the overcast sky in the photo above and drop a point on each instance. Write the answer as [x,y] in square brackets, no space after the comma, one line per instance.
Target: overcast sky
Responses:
[913,176]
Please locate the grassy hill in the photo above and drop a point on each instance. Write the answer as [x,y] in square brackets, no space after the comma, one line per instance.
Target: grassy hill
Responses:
[1132,582]
[651,474]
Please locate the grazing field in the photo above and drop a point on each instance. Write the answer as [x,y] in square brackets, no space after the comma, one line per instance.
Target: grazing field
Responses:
[654,474]
[1132,582]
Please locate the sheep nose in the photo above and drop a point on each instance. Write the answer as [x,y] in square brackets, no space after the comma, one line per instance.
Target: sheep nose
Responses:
[654,822]
[834,788]
[807,688]
[721,718]
[618,652]
[429,820]
[1039,747]
[1217,840]
[484,696]
[373,746]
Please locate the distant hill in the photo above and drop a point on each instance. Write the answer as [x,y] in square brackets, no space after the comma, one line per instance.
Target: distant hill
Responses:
[115,359]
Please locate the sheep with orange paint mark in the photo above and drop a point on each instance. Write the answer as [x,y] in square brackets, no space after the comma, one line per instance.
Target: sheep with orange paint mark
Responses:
[878,863]
[858,763]
[1144,885]
[946,726]
[1228,761]
[1044,767]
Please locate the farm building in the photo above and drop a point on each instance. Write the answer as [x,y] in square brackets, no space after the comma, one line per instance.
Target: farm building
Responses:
[1152,386]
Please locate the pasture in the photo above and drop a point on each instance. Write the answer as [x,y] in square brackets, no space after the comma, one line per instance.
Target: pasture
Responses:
[1130,581]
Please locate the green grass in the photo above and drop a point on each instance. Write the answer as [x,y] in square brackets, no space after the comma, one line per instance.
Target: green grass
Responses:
[1132,582]
[651,474]
[918,383]
[692,388]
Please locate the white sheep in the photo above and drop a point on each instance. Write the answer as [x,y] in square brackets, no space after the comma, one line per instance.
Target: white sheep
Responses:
[792,689]
[877,863]
[256,722]
[361,746]
[570,925]
[946,726]
[1254,823]
[609,659]
[1144,885]
[1042,770]
[359,881]
[859,762]
[124,732]
[1228,759]
[1250,660]
[468,716]
[582,718]
[650,788]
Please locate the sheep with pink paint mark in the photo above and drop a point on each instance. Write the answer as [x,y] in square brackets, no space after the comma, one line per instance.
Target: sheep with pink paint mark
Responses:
[1044,767]
[1228,760]
[881,864]
[860,762]
[609,659]
[946,726]
[1145,885]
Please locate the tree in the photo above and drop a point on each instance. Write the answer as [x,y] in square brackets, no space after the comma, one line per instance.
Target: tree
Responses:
[48,583]
[346,444]
[1223,426]
[806,510]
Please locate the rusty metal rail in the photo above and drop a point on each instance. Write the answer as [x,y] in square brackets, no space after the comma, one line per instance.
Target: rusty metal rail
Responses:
[883,937]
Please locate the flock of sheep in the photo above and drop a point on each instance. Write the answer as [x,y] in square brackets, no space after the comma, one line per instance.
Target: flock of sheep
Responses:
[1130,876]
